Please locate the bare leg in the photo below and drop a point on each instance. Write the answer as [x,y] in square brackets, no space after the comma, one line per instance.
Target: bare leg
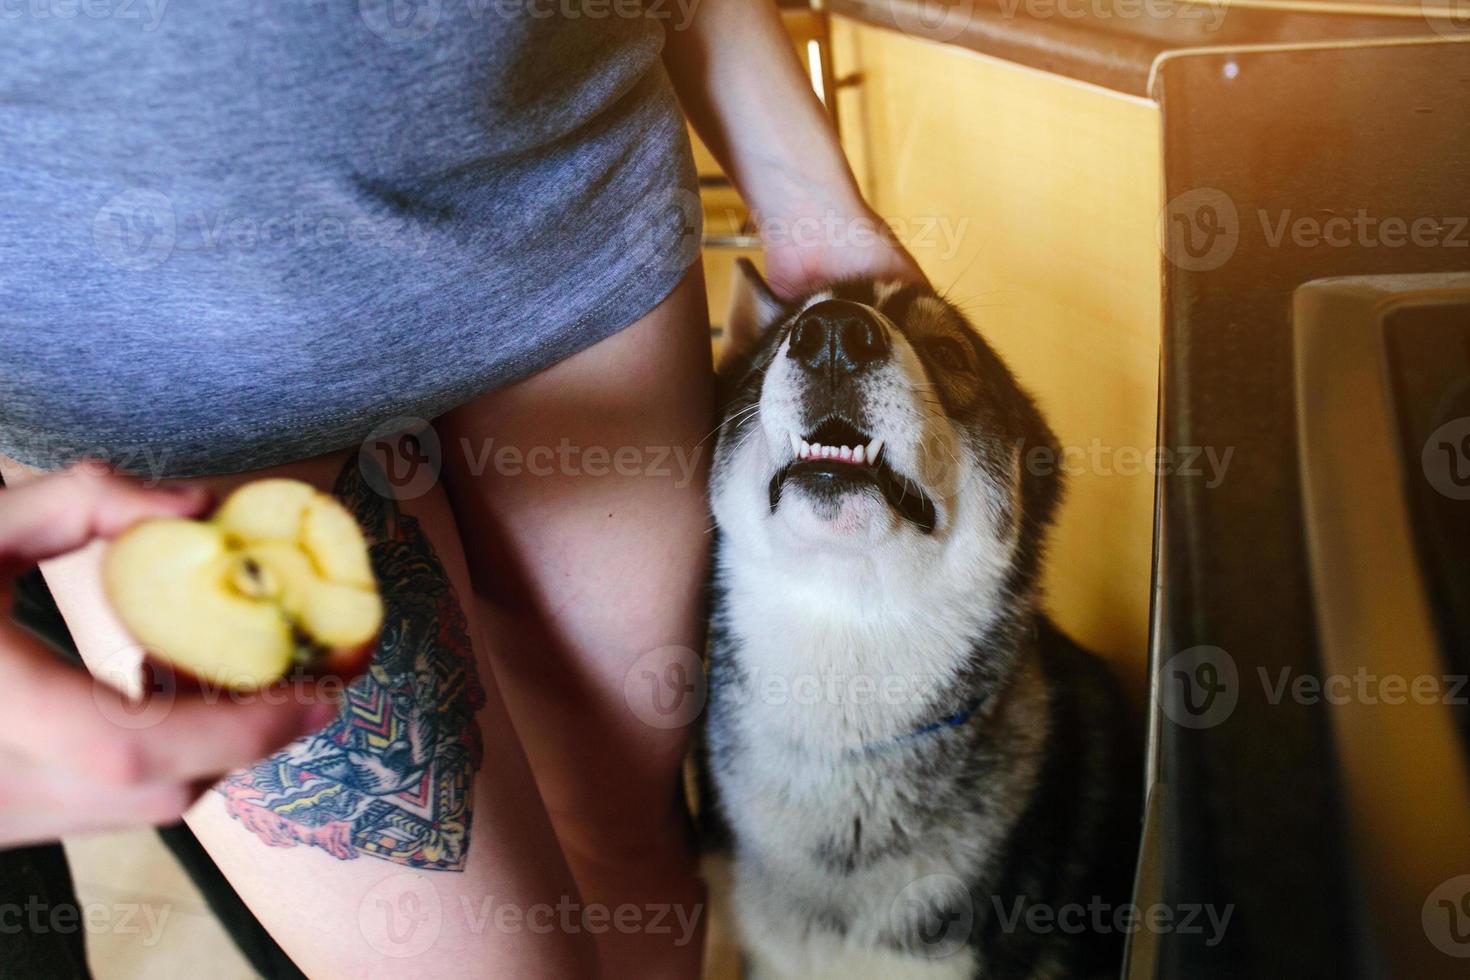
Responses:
[408,838]
[589,555]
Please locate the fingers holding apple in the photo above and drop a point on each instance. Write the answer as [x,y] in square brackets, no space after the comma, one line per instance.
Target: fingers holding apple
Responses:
[278,578]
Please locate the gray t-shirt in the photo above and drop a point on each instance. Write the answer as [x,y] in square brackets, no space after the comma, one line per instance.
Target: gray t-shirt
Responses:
[235,233]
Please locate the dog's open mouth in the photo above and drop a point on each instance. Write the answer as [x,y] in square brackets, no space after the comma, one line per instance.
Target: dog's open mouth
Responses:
[836,457]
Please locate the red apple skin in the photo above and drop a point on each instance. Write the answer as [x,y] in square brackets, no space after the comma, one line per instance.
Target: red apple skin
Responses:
[344,664]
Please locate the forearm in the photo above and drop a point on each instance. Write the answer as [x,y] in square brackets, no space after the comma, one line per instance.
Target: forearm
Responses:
[748,97]
[742,87]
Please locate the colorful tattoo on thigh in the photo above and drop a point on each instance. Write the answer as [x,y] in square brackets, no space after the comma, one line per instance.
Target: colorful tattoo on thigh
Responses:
[391,776]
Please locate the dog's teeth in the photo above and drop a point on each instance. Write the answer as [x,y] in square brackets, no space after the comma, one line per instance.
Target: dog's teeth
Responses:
[795,444]
[846,453]
[857,455]
[816,450]
[806,449]
[874,448]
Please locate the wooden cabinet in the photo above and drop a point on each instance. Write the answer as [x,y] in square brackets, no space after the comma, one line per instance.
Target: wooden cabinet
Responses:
[1031,200]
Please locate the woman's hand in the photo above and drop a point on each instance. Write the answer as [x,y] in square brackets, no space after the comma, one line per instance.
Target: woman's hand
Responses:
[75,755]
[808,251]
[741,85]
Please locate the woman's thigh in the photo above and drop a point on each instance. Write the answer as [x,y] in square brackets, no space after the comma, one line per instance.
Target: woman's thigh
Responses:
[581,494]
[407,838]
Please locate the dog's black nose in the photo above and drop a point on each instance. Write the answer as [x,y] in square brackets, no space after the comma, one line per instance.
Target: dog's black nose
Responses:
[837,336]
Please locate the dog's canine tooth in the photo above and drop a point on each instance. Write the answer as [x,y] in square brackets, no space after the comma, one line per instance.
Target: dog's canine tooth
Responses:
[795,444]
[861,795]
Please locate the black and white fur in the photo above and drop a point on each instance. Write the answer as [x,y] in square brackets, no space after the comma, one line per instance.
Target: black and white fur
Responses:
[899,746]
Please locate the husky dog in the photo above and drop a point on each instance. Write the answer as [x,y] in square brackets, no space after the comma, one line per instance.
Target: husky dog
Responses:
[914,773]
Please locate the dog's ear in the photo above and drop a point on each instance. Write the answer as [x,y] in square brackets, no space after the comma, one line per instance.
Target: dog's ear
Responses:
[753,308]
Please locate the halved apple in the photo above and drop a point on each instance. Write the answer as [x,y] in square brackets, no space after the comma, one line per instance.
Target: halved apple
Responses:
[278,577]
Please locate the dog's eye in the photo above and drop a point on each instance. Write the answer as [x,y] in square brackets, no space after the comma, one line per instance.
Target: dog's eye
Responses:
[948,354]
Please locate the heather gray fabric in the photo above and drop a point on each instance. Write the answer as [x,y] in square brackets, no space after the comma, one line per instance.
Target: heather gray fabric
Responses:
[235,233]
